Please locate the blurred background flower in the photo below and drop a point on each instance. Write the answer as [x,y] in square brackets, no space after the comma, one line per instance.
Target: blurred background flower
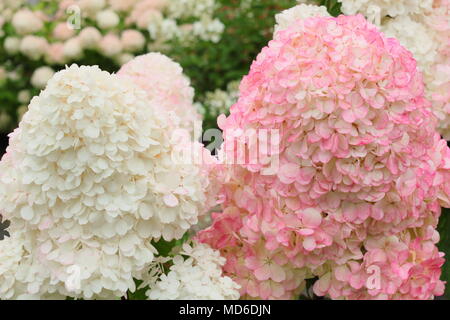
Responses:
[214,41]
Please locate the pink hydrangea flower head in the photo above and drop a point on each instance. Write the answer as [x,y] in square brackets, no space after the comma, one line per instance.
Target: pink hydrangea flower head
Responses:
[356,156]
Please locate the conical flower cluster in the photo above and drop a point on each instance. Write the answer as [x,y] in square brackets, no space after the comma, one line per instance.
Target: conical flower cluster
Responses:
[92,176]
[351,190]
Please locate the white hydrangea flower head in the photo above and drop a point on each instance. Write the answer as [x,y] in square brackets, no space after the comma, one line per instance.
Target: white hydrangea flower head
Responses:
[163,80]
[91,171]
[376,10]
[288,17]
[197,277]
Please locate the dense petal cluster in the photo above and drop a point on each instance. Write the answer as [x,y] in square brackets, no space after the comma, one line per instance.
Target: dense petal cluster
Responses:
[375,10]
[196,274]
[23,276]
[423,28]
[403,266]
[355,163]
[163,79]
[288,17]
[92,175]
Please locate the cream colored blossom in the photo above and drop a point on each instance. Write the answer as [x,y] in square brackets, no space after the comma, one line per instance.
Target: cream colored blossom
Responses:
[33,46]
[107,19]
[191,8]
[12,45]
[72,49]
[91,7]
[91,173]
[25,21]
[89,37]
[288,17]
[208,29]
[40,76]
[199,276]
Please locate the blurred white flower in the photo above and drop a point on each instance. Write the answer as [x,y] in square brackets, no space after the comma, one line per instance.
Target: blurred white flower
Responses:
[107,19]
[33,47]
[12,45]
[72,49]
[208,29]
[90,8]
[145,12]
[110,45]
[25,21]
[164,30]
[89,37]
[40,76]
[24,96]
[191,8]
